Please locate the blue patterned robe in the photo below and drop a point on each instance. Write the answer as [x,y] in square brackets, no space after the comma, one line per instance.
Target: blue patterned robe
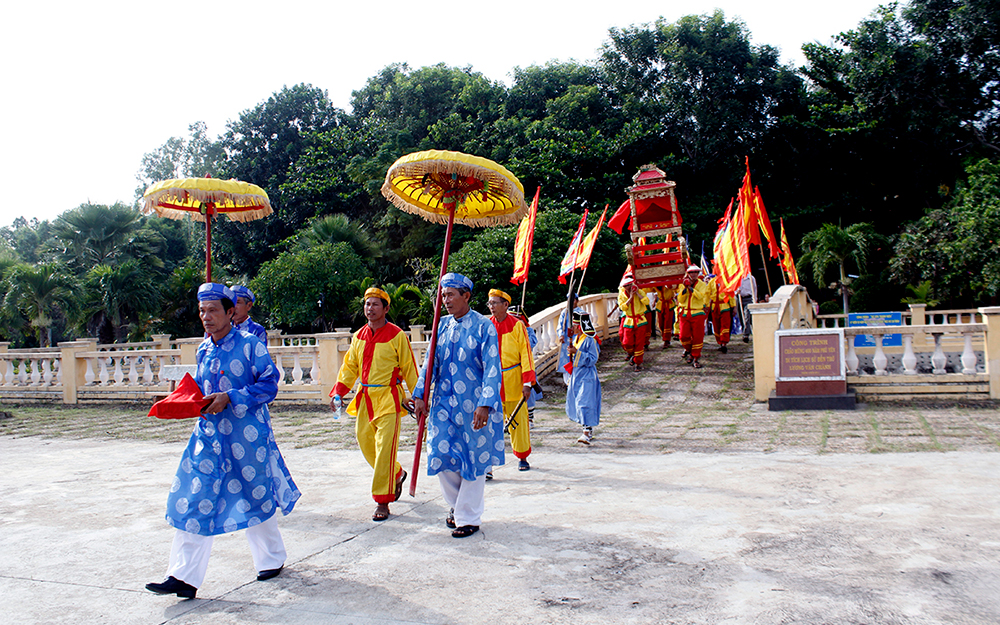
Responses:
[466,376]
[254,328]
[231,474]
[583,396]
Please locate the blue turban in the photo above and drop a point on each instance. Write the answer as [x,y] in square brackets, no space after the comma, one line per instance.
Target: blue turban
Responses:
[212,291]
[455,281]
[241,291]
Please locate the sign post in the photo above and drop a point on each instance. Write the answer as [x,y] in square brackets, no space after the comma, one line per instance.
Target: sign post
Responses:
[809,371]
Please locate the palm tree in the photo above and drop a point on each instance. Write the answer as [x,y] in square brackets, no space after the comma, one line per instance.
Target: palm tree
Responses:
[95,234]
[118,297]
[833,246]
[37,291]
[337,228]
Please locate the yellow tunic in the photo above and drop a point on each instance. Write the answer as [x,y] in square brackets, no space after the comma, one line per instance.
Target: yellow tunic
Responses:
[518,368]
[635,309]
[382,360]
[692,301]
[720,301]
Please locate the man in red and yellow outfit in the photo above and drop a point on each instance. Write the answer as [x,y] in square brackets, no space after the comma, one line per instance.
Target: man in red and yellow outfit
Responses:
[692,300]
[518,371]
[665,312]
[632,303]
[722,305]
[381,356]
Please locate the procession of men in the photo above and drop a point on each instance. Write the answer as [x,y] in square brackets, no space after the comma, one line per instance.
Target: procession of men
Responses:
[232,476]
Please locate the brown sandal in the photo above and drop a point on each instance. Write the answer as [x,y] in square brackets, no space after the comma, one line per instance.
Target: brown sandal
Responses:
[399,486]
[380,514]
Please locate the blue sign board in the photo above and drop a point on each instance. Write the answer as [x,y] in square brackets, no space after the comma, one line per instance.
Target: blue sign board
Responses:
[860,320]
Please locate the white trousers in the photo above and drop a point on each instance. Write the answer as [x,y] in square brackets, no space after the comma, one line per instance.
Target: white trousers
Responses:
[468,498]
[189,552]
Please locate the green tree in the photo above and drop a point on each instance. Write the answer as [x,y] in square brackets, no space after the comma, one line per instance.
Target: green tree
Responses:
[179,311]
[263,146]
[302,289]
[196,156]
[954,248]
[118,298]
[95,234]
[40,293]
[834,247]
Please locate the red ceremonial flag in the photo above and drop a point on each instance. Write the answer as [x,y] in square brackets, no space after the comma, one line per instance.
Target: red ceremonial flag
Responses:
[621,217]
[730,248]
[765,223]
[587,247]
[523,243]
[747,208]
[569,259]
[787,262]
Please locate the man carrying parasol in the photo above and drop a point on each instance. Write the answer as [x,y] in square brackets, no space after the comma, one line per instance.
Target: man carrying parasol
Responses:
[465,419]
[231,475]
[381,356]
[518,374]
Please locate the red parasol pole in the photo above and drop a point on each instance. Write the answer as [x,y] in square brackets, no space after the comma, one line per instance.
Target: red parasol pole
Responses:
[208,241]
[422,419]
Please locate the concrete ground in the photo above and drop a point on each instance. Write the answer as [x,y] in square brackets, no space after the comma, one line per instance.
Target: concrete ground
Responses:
[711,511]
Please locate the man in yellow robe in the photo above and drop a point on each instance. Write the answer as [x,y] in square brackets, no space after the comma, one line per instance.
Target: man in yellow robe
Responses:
[665,312]
[381,357]
[518,370]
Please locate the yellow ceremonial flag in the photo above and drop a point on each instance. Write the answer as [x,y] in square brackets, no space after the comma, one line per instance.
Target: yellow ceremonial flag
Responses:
[731,255]
[524,242]
[587,246]
[787,262]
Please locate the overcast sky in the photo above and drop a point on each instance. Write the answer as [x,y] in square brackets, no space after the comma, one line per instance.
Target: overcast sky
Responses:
[89,87]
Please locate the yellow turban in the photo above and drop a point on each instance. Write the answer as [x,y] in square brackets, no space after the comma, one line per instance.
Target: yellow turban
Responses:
[376,292]
[499,293]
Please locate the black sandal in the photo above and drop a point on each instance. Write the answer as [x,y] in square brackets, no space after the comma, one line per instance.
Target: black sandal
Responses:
[450,520]
[399,486]
[465,530]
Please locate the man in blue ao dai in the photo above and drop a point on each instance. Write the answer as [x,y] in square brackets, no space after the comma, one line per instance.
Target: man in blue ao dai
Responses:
[465,418]
[231,475]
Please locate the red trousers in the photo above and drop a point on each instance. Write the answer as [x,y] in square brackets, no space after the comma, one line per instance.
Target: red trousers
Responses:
[666,324]
[722,320]
[693,334]
[634,342]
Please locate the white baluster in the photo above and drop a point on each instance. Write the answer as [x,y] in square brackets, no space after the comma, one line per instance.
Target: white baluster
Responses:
[133,369]
[57,365]
[147,371]
[47,372]
[103,375]
[22,372]
[159,370]
[314,371]
[119,376]
[939,360]
[968,356]
[296,370]
[281,369]
[909,358]
[852,357]
[880,360]
[89,375]
[8,378]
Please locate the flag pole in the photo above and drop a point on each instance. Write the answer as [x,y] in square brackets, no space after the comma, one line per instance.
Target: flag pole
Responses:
[766,275]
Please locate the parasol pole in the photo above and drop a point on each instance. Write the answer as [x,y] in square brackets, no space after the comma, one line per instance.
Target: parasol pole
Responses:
[208,241]
[422,419]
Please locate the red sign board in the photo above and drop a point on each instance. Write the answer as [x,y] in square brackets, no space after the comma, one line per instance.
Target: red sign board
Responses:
[809,356]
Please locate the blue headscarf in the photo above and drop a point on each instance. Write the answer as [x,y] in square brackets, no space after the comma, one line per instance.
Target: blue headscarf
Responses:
[213,291]
[241,291]
[455,281]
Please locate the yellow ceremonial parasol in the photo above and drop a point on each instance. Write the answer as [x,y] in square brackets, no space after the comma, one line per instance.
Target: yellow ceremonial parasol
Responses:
[445,187]
[201,199]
